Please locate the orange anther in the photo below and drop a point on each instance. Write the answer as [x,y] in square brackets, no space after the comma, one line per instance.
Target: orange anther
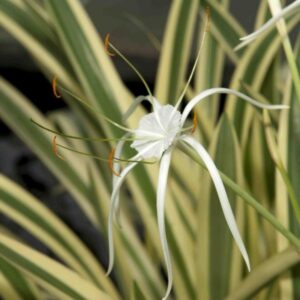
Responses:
[111,160]
[54,148]
[195,122]
[207,14]
[106,45]
[54,87]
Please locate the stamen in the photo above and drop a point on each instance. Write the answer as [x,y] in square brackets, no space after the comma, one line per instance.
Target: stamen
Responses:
[106,45]
[195,123]
[95,111]
[207,14]
[54,87]
[105,159]
[205,30]
[75,137]
[54,148]
[132,67]
[111,162]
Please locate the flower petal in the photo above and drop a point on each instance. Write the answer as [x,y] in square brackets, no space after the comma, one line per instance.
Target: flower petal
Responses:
[113,202]
[206,93]
[117,168]
[160,206]
[271,22]
[135,103]
[159,127]
[225,204]
[155,105]
[155,149]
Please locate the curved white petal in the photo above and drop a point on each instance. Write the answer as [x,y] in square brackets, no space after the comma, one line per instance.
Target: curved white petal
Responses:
[155,103]
[117,166]
[206,93]
[142,134]
[284,13]
[118,154]
[155,149]
[215,176]
[135,103]
[113,200]
[117,169]
[160,206]
[156,108]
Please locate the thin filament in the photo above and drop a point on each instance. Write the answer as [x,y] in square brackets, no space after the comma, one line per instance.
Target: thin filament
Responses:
[79,137]
[90,107]
[132,67]
[206,28]
[101,158]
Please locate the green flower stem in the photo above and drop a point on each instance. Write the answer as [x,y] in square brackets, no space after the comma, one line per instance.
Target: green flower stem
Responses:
[247,198]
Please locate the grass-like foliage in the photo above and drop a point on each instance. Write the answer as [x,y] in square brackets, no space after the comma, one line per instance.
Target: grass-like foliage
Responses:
[215,183]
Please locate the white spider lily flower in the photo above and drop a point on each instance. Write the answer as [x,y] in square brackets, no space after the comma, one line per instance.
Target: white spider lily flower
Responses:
[290,9]
[156,137]
[165,124]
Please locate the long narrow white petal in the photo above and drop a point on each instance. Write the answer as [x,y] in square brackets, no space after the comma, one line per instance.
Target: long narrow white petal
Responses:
[284,13]
[209,92]
[148,134]
[114,199]
[135,103]
[215,176]
[160,206]
[117,169]
[156,107]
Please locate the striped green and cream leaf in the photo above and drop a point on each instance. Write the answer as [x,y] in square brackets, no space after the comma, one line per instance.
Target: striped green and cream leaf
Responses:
[28,212]
[14,285]
[225,28]
[209,73]
[267,272]
[82,44]
[212,231]
[252,69]
[48,273]
[17,112]
[289,145]
[175,52]
[25,29]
